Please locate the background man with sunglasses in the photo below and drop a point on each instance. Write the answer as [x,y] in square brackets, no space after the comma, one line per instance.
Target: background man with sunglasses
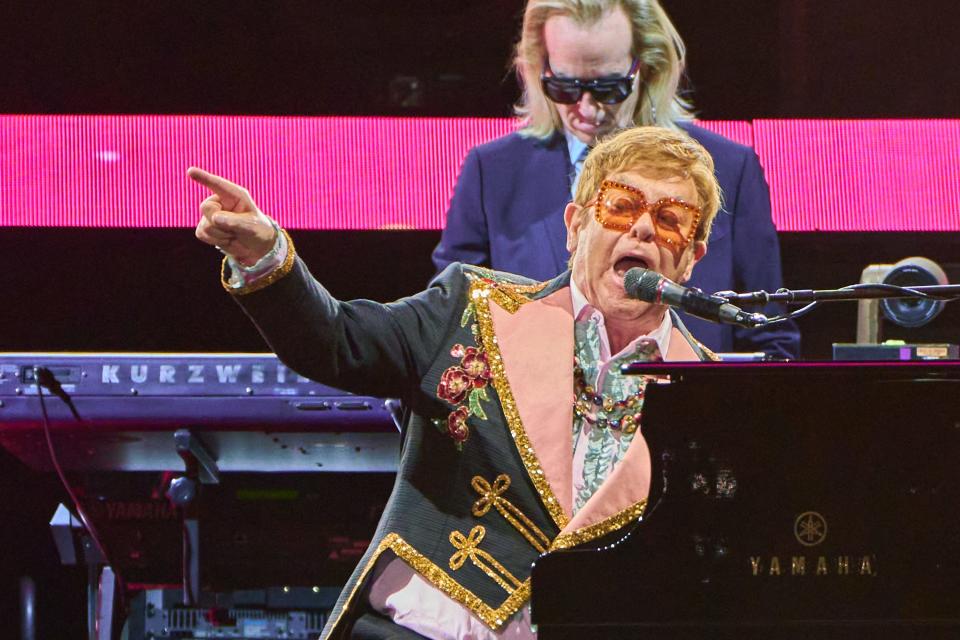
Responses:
[588,68]
[523,435]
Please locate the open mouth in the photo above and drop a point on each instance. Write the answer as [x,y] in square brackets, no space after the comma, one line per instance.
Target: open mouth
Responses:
[626,263]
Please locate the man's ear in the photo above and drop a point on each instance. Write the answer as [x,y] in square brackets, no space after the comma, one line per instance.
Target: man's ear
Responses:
[574,224]
[699,250]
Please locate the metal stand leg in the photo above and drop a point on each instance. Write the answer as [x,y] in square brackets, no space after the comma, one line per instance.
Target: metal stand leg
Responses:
[191,578]
[200,468]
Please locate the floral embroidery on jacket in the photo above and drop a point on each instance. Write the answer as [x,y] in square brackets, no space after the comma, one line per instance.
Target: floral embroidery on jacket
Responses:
[464,385]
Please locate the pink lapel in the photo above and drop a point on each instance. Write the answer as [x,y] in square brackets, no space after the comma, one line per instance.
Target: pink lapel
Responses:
[536,346]
[630,481]
[679,349]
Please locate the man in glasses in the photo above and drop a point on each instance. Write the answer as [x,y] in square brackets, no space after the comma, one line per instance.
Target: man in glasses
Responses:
[589,68]
[523,436]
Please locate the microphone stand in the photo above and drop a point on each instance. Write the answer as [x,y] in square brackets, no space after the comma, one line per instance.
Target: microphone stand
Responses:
[857,292]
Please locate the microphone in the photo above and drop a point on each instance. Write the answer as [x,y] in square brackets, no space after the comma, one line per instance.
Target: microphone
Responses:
[650,286]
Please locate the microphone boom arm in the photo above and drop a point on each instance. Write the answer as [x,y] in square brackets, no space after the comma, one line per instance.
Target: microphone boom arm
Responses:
[853,292]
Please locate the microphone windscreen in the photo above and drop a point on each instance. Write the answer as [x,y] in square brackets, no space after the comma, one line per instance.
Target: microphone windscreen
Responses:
[642,284]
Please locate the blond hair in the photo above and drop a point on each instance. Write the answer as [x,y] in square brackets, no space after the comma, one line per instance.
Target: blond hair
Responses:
[656,44]
[659,153]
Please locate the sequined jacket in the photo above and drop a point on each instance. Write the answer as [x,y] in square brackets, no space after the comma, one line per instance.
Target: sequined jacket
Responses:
[484,361]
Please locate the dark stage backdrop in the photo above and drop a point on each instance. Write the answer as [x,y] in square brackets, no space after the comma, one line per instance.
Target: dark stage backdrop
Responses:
[158,289]
[747,59]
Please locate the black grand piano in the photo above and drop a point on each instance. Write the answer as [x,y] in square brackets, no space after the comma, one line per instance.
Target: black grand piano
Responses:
[805,500]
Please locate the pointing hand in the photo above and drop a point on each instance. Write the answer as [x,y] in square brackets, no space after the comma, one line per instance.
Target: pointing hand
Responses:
[231,220]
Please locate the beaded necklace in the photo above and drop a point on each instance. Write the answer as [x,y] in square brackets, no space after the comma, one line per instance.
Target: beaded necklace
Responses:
[603,411]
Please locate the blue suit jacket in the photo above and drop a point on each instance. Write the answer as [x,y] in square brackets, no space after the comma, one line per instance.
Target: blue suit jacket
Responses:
[507,213]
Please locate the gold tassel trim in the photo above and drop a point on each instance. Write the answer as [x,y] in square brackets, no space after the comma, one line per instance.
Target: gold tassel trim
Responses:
[491,497]
[468,547]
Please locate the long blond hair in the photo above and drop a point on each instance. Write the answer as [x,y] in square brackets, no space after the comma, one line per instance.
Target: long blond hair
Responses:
[655,42]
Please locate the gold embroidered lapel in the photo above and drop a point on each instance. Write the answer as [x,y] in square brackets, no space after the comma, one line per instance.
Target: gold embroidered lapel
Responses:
[533,377]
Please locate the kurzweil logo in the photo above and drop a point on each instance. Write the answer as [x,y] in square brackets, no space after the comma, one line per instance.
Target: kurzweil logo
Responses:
[810,530]
[197,374]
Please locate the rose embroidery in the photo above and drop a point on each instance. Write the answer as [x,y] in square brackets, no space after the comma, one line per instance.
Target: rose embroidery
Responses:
[464,385]
[475,365]
[454,384]
[457,425]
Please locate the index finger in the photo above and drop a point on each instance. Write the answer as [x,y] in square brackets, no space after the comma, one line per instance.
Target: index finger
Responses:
[228,191]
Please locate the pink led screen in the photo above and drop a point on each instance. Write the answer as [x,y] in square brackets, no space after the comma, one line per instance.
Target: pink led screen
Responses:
[398,173]
[862,175]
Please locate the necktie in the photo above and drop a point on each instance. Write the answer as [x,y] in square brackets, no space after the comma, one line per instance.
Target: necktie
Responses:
[577,169]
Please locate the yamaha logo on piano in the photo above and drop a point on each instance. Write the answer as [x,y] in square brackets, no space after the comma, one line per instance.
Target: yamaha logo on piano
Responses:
[810,530]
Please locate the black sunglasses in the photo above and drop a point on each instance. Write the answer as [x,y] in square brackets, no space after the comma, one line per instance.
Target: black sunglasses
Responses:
[604,90]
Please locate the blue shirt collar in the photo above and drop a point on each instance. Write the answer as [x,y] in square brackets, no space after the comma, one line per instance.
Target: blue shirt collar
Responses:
[575,146]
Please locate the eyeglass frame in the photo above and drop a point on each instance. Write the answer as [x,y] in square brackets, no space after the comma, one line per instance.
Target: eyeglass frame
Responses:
[648,207]
[588,86]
